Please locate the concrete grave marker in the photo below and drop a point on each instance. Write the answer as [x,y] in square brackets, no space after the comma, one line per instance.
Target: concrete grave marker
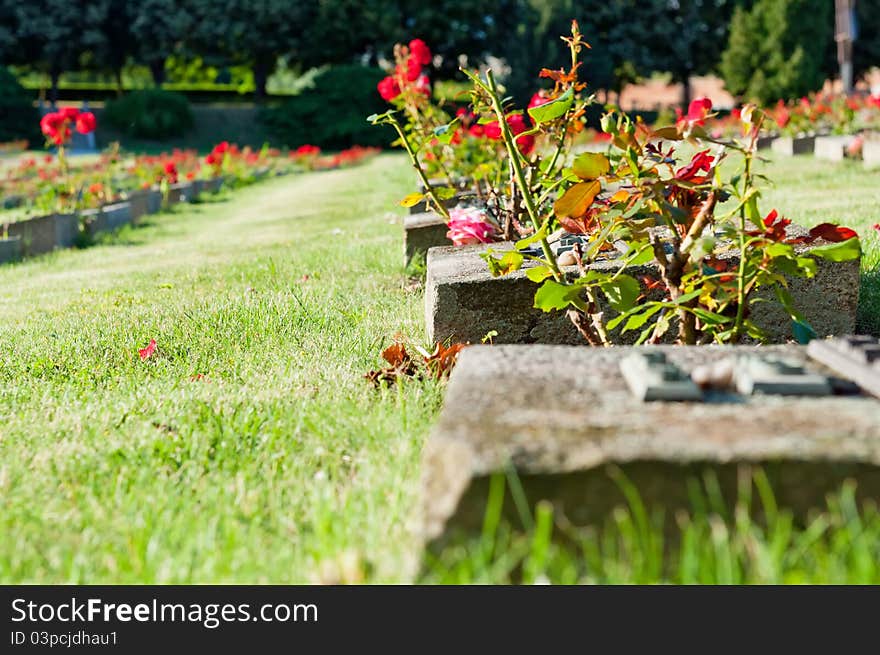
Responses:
[789,146]
[463,302]
[564,419]
[832,148]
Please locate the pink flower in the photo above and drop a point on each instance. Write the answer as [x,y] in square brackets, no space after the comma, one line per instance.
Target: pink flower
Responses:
[144,353]
[423,85]
[470,226]
[419,51]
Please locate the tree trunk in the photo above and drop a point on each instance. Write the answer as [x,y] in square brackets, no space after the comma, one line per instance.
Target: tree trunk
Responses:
[686,91]
[54,74]
[117,75]
[261,76]
[157,70]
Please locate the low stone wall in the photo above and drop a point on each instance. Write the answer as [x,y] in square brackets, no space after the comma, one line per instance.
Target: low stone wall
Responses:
[422,232]
[463,302]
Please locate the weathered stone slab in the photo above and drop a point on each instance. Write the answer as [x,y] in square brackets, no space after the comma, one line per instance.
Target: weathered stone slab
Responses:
[66,230]
[422,232]
[871,153]
[108,218]
[180,192]
[212,185]
[832,148]
[10,249]
[146,201]
[42,234]
[463,302]
[565,421]
[789,146]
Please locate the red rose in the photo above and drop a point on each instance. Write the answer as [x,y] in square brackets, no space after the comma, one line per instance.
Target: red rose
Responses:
[540,98]
[492,131]
[412,70]
[419,51]
[221,148]
[51,123]
[54,126]
[518,125]
[388,88]
[210,160]
[86,123]
[171,172]
[70,113]
[702,161]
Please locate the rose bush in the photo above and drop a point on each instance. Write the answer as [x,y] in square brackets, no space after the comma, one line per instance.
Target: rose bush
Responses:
[657,199]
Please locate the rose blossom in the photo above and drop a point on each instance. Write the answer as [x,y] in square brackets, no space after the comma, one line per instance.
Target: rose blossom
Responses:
[419,51]
[470,225]
[388,88]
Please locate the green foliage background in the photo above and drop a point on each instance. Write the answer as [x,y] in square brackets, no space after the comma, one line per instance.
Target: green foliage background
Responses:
[18,116]
[332,113]
[779,49]
[150,114]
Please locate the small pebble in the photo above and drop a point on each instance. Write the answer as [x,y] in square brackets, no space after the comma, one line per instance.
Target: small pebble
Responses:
[567,259]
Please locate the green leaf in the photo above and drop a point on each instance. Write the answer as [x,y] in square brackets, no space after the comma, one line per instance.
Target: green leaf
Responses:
[522,244]
[646,255]
[444,192]
[803,332]
[591,165]
[638,320]
[553,295]
[711,318]
[621,291]
[509,262]
[539,273]
[412,200]
[839,252]
[444,133]
[552,110]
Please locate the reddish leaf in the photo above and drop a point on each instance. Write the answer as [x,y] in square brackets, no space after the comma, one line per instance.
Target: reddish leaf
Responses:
[396,354]
[149,351]
[441,361]
[400,365]
[833,233]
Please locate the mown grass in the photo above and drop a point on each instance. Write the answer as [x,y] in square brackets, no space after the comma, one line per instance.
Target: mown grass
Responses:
[251,449]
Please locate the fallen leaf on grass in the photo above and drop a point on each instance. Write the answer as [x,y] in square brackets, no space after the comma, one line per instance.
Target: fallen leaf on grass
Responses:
[401,364]
[149,351]
[441,361]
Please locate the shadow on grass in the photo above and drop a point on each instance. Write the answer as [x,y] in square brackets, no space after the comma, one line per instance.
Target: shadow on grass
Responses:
[746,537]
[868,315]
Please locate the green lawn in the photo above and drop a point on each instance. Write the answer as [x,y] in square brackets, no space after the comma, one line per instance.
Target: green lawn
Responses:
[280,464]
